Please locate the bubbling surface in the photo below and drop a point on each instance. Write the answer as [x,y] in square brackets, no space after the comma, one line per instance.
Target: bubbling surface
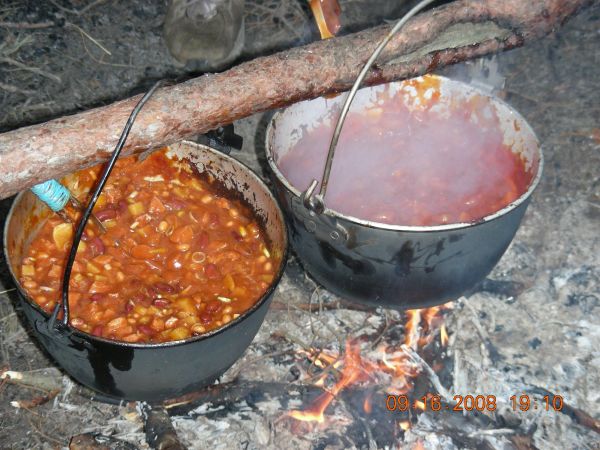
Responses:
[413,165]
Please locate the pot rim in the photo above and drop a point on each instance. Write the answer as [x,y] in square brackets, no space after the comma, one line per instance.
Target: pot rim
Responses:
[268,293]
[421,228]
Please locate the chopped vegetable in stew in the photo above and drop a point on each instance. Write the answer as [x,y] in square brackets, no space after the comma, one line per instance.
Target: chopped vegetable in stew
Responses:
[178,258]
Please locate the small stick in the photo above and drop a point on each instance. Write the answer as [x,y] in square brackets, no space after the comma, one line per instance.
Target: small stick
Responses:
[35,70]
[7,291]
[44,379]
[75,11]
[97,441]
[280,306]
[26,26]
[160,433]
[36,401]
[435,380]
[14,89]
[104,49]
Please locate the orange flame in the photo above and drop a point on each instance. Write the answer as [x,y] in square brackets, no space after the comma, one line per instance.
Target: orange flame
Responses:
[367,405]
[353,369]
[405,425]
[443,335]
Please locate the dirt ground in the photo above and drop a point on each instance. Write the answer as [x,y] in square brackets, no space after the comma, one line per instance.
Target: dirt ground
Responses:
[535,322]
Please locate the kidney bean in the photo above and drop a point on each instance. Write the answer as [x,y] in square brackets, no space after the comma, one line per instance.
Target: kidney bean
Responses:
[174,205]
[206,318]
[213,307]
[138,298]
[160,303]
[122,206]
[203,240]
[145,329]
[98,330]
[97,246]
[129,306]
[212,271]
[213,219]
[106,214]
[165,288]
[238,237]
[96,297]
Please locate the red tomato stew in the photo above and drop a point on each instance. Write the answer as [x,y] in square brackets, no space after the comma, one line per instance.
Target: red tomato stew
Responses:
[180,256]
[409,162]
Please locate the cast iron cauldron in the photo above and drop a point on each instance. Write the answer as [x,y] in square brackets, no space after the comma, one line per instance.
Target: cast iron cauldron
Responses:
[397,266]
[153,371]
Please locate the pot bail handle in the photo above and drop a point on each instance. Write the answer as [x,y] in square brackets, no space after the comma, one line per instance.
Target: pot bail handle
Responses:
[316,202]
[60,328]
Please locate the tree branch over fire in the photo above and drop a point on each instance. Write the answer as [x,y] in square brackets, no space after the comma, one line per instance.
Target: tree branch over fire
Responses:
[452,33]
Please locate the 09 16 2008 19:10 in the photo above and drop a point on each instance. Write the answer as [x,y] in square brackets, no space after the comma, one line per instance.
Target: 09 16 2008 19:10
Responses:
[478,402]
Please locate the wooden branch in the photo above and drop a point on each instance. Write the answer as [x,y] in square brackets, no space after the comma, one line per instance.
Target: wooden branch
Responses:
[160,434]
[455,32]
[97,441]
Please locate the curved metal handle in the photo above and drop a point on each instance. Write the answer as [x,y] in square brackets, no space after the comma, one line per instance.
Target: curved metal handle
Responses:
[64,302]
[317,202]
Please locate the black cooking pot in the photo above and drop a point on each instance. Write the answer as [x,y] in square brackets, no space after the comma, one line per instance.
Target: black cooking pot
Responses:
[153,371]
[398,266]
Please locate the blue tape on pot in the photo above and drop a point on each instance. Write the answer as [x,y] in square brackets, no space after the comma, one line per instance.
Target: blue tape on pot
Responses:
[53,194]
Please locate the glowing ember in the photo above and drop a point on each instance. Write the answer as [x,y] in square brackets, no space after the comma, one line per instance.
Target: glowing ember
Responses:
[392,362]
[367,406]
[419,404]
[355,371]
[404,425]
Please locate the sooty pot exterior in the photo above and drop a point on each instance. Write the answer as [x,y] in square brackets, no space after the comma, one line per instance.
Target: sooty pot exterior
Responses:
[398,266]
[153,372]
[150,373]
[391,268]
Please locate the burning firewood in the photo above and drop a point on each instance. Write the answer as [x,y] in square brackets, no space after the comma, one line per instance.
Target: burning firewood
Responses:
[455,32]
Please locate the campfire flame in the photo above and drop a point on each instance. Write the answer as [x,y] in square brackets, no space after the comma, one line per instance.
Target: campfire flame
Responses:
[443,336]
[353,369]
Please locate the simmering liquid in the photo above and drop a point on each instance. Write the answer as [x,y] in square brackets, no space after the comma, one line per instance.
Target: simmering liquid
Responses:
[416,166]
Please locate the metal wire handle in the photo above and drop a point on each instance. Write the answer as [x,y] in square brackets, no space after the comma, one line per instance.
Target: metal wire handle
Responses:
[316,202]
[64,303]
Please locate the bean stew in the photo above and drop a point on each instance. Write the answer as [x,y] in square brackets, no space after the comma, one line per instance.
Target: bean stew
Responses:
[180,256]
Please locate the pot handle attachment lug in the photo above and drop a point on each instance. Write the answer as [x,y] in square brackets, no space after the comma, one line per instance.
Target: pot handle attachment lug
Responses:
[56,331]
[323,226]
